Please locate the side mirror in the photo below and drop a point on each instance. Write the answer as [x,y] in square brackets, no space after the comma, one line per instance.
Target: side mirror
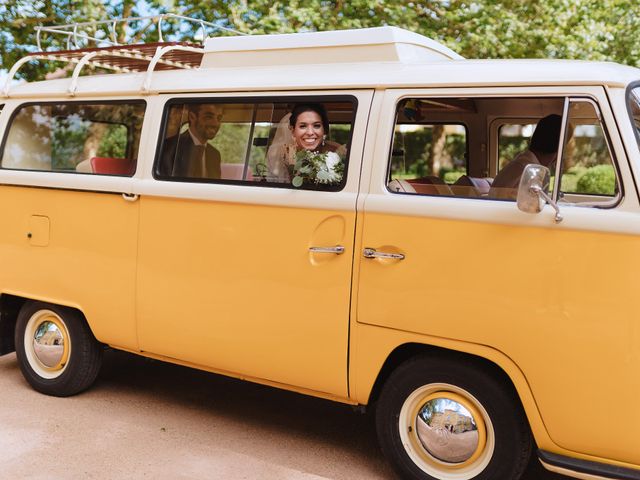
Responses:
[533,188]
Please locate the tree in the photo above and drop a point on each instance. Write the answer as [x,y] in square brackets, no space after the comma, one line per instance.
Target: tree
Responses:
[19,17]
[584,29]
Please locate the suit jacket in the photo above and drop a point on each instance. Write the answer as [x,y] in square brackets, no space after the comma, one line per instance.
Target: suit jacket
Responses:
[182,158]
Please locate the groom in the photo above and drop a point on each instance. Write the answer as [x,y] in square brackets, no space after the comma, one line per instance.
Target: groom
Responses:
[189,154]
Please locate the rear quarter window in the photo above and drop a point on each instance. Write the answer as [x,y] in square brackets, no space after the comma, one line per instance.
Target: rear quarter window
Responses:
[94,138]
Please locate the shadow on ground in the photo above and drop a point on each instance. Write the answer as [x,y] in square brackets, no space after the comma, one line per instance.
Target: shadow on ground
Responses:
[267,410]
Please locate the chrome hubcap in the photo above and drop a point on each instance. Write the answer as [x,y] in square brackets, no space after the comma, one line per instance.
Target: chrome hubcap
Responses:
[48,344]
[447,430]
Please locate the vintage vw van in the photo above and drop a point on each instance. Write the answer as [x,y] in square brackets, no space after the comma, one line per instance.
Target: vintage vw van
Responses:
[483,323]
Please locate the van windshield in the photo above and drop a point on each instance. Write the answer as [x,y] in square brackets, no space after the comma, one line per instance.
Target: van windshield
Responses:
[634,109]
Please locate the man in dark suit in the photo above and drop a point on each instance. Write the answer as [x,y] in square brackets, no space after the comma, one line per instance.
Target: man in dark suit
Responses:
[189,154]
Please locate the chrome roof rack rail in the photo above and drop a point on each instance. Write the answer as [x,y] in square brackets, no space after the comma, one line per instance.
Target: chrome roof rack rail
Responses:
[104,51]
[160,52]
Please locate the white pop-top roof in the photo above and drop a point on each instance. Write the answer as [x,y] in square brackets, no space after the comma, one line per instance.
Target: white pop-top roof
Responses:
[381,44]
[469,73]
[367,58]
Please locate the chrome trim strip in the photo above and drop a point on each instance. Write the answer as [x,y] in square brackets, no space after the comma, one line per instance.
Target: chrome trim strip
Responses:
[585,469]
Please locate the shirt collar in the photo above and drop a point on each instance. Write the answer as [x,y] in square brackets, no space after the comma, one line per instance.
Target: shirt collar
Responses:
[195,139]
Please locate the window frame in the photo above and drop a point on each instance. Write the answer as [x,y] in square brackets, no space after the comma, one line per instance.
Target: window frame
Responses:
[627,97]
[494,138]
[601,201]
[492,146]
[466,145]
[252,99]
[390,148]
[21,106]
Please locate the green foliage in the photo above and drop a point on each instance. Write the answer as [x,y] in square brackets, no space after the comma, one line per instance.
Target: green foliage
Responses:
[452,175]
[67,141]
[598,180]
[570,179]
[509,147]
[590,151]
[231,142]
[456,147]
[584,29]
[413,154]
[311,168]
[113,142]
[19,17]
[409,158]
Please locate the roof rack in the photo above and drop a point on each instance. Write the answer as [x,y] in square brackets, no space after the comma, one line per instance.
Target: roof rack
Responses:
[108,54]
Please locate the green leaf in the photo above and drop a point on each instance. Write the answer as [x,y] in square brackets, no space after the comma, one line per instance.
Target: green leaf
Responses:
[297,181]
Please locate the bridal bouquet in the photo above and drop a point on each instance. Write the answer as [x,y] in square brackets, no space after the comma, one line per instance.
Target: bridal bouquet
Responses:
[317,168]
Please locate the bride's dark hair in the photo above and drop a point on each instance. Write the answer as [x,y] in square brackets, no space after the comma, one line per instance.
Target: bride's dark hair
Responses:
[310,107]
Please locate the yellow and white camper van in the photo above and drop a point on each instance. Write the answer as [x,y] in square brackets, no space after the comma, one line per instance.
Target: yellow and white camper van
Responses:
[328,213]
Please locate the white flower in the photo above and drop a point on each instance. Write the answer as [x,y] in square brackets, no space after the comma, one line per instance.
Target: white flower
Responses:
[332,160]
[317,167]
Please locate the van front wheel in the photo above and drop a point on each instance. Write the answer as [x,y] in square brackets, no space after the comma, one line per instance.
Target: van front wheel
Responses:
[56,350]
[447,420]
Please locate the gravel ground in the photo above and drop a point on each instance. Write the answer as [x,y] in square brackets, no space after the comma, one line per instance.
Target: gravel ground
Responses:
[148,419]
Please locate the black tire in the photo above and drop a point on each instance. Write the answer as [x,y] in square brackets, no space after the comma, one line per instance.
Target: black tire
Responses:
[66,358]
[502,452]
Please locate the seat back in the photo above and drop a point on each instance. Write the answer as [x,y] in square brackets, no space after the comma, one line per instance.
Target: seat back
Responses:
[112,166]
[430,185]
[233,171]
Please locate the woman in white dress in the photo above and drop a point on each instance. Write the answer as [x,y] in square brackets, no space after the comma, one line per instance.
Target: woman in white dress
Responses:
[305,128]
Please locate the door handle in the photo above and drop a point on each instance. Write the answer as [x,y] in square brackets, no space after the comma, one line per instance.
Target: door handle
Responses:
[338,249]
[372,253]
[130,197]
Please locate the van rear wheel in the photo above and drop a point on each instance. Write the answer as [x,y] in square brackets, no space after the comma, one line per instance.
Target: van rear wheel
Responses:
[56,350]
[447,420]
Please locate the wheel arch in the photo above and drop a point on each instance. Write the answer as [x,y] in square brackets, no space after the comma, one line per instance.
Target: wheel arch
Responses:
[383,350]
[10,305]
[485,403]
[406,351]
[56,349]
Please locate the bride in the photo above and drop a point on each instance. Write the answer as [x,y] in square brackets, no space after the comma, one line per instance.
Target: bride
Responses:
[305,128]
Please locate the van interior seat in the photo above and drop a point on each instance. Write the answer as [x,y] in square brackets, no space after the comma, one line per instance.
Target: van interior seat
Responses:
[397,185]
[481,185]
[112,166]
[430,185]
[467,191]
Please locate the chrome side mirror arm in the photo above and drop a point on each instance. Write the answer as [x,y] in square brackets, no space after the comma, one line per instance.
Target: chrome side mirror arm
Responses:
[532,190]
[538,190]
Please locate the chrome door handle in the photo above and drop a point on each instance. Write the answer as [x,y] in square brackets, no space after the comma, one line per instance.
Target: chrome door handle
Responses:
[372,253]
[338,249]
[130,197]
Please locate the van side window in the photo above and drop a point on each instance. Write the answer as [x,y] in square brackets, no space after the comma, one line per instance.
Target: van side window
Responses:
[443,146]
[587,171]
[95,138]
[513,137]
[430,157]
[257,143]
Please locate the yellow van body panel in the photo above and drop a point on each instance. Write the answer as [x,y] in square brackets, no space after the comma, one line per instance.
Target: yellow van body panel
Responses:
[234,287]
[372,345]
[561,304]
[76,249]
